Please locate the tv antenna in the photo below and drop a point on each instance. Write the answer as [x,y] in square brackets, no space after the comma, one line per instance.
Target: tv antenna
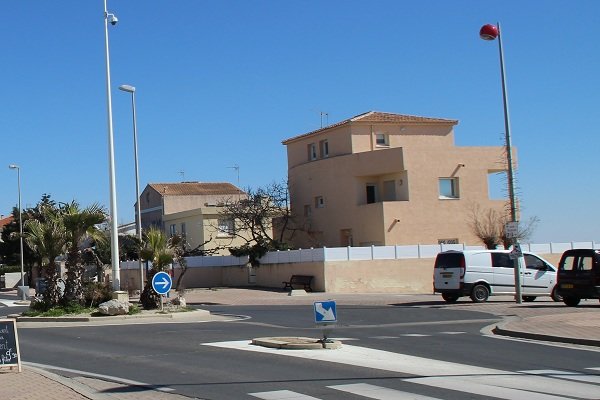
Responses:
[326,118]
[237,170]
[182,173]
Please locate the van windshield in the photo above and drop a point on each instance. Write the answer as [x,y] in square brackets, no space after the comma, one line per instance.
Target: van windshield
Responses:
[449,260]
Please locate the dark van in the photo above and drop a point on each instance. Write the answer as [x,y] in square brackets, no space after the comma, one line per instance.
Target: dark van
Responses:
[579,275]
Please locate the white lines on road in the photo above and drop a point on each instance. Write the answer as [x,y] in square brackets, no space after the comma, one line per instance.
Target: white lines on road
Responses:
[378,392]
[282,395]
[415,335]
[574,376]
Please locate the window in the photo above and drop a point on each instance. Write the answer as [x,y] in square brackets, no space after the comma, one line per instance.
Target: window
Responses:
[226,228]
[324,148]
[502,260]
[382,139]
[183,231]
[172,229]
[568,263]
[449,188]
[319,202]
[532,262]
[312,152]
[586,263]
[371,193]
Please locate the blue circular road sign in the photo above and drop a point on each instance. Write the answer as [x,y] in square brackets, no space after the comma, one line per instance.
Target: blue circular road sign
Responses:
[162,282]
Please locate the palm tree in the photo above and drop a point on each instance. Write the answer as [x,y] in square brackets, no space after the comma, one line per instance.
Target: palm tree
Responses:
[81,231]
[47,239]
[158,250]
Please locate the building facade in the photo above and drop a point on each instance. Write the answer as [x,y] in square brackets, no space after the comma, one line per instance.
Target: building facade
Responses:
[192,209]
[383,179]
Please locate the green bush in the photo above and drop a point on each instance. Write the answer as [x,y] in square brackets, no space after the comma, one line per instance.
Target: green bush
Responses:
[96,293]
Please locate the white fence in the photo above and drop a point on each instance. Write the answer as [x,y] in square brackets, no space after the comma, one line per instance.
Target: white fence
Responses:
[364,253]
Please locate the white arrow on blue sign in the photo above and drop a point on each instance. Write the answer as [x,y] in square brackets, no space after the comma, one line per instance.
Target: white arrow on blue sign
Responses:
[162,282]
[325,311]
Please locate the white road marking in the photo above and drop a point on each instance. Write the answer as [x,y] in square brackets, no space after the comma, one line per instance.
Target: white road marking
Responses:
[414,335]
[573,376]
[452,333]
[462,385]
[282,395]
[379,393]
[594,368]
[384,337]
[99,376]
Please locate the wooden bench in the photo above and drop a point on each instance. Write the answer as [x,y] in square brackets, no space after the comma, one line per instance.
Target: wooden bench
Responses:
[299,280]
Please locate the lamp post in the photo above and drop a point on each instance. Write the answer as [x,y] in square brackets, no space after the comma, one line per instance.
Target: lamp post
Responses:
[22,287]
[114,232]
[138,227]
[491,32]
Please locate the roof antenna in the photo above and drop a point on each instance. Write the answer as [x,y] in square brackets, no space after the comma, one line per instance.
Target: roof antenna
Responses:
[237,169]
[182,173]
[326,118]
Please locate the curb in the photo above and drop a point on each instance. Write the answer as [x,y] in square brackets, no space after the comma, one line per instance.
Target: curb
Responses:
[498,330]
[20,318]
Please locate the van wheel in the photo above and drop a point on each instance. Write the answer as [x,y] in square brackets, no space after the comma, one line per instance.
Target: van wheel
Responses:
[450,298]
[480,293]
[555,296]
[571,301]
[528,298]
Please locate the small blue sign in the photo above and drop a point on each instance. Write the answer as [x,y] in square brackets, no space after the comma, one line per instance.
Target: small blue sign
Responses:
[325,312]
[162,282]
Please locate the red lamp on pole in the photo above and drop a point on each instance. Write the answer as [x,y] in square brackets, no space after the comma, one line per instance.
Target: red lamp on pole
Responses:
[492,32]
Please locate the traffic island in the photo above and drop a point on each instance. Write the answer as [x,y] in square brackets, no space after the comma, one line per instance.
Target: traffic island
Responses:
[297,343]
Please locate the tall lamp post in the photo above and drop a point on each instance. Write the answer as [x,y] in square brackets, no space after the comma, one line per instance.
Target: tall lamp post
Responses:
[22,287]
[491,32]
[114,232]
[138,228]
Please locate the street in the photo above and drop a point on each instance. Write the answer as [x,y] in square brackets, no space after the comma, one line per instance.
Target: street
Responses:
[389,352]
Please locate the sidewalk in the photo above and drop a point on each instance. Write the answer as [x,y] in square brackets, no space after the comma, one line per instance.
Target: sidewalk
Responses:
[540,320]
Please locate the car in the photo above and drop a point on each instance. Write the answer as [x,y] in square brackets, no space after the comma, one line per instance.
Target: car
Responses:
[579,275]
[483,273]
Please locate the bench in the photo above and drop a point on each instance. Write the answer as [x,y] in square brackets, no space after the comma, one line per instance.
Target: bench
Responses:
[303,280]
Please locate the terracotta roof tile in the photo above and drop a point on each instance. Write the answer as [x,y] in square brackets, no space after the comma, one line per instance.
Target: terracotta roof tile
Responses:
[195,188]
[5,221]
[379,117]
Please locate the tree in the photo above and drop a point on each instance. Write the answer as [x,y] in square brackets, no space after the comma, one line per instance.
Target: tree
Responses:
[489,226]
[159,251]
[255,218]
[81,232]
[47,238]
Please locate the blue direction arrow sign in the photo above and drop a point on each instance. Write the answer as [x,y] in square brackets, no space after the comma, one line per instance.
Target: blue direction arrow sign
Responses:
[162,282]
[325,312]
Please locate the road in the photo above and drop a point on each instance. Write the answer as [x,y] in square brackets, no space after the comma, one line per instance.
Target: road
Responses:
[390,352]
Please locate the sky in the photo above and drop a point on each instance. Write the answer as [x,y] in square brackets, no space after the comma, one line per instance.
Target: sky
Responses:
[220,84]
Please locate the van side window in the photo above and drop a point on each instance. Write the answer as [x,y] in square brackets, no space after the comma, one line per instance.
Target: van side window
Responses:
[567,264]
[501,260]
[585,263]
[532,262]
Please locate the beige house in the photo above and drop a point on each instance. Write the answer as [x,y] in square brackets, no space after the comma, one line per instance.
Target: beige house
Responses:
[384,179]
[191,209]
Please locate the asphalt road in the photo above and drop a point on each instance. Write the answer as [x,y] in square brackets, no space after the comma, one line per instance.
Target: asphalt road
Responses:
[401,348]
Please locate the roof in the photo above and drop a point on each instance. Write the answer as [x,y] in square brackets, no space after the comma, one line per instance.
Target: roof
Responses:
[5,221]
[195,188]
[379,117]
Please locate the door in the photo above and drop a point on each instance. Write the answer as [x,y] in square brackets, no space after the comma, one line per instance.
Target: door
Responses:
[503,270]
[448,270]
[538,277]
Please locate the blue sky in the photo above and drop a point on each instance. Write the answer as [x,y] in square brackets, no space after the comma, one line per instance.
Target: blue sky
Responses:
[222,83]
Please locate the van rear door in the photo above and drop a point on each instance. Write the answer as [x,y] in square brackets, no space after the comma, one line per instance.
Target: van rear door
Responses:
[448,270]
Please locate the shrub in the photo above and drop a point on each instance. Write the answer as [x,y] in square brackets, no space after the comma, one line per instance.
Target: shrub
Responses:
[96,293]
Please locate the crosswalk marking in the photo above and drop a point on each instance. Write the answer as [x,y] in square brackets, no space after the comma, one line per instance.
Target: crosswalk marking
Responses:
[384,337]
[488,382]
[574,376]
[282,395]
[378,392]
[452,333]
[414,335]
[462,385]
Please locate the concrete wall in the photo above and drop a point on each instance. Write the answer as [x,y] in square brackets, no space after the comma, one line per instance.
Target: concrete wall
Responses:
[403,276]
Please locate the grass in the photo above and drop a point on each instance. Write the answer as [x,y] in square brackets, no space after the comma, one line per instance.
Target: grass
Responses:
[72,309]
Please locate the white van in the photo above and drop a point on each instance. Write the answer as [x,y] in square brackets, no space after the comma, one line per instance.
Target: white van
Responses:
[483,273]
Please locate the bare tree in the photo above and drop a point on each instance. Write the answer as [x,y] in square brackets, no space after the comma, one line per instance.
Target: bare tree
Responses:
[261,219]
[489,226]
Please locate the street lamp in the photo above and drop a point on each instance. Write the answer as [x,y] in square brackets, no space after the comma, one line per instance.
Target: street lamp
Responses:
[114,232]
[491,32]
[22,287]
[131,89]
